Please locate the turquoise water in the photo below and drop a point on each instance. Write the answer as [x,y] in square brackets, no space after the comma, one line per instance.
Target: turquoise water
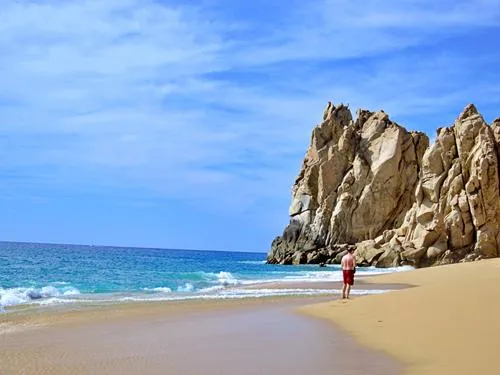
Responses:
[45,274]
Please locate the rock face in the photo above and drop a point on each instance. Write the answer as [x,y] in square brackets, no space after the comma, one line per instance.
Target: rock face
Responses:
[371,184]
[457,210]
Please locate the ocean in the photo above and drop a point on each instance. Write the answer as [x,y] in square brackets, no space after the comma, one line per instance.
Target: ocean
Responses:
[39,275]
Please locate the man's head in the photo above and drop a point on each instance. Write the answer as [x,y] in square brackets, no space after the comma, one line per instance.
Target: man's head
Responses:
[350,250]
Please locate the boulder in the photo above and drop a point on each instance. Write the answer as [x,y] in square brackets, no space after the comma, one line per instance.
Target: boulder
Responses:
[367,252]
[390,258]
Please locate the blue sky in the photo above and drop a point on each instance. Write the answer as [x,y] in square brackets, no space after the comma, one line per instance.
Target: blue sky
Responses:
[183,124]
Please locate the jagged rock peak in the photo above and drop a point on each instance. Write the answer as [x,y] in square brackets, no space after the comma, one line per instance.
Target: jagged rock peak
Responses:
[469,111]
[372,184]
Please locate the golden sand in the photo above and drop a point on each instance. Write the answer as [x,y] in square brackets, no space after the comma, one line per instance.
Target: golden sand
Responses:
[449,323]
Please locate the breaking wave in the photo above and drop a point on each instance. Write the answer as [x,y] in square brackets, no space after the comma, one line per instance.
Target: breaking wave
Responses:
[21,296]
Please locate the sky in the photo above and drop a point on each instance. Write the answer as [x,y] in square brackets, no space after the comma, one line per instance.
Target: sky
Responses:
[183,124]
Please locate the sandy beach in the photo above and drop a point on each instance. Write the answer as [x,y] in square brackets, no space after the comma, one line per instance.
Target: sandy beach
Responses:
[264,336]
[447,324]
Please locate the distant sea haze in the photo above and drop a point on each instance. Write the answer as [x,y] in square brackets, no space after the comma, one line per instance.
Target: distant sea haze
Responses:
[38,275]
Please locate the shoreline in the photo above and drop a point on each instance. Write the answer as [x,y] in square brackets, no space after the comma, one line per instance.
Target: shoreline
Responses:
[447,323]
[257,290]
[215,285]
[36,315]
[247,336]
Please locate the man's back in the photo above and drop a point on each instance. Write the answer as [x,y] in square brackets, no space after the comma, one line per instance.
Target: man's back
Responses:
[348,262]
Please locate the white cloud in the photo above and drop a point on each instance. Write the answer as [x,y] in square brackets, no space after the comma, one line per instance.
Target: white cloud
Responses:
[183,101]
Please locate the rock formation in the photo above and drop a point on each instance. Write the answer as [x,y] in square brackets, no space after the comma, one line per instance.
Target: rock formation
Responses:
[371,184]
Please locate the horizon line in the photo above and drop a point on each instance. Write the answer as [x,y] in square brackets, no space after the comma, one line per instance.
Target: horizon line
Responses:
[130,247]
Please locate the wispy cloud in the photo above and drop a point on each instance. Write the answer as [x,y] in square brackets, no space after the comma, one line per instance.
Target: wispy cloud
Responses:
[216,100]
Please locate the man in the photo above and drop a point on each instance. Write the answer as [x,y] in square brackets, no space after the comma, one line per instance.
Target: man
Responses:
[348,269]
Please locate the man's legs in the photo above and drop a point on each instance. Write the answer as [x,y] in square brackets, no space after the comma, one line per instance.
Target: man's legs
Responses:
[348,290]
[344,287]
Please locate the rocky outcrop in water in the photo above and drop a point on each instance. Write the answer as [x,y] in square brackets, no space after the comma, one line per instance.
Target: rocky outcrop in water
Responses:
[371,184]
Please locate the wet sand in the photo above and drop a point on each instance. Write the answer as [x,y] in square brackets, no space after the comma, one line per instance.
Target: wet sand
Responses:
[448,323]
[216,337]
[334,287]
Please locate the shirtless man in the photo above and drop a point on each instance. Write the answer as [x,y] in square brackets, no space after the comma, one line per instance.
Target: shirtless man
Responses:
[348,268]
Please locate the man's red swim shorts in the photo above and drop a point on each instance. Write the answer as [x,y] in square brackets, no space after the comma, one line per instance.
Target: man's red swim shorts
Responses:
[348,276]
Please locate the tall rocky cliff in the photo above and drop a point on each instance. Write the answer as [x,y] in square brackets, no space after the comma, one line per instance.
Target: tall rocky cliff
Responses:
[372,185]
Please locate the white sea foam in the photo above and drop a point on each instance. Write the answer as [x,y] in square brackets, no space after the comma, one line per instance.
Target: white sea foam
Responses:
[212,293]
[71,292]
[377,271]
[163,290]
[252,262]
[49,291]
[222,278]
[159,290]
[20,296]
[12,297]
[248,293]
[186,288]
[226,278]
[321,276]
[211,289]
[58,301]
